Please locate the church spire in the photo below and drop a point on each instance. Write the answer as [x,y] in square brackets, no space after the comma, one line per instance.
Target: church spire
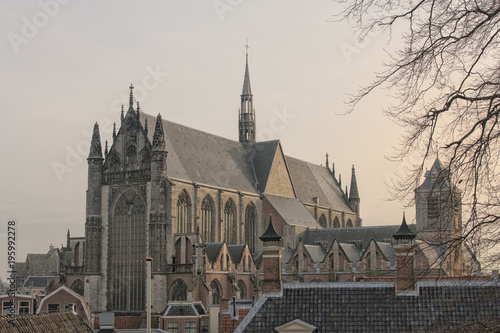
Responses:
[354,186]
[354,200]
[159,136]
[95,144]
[247,112]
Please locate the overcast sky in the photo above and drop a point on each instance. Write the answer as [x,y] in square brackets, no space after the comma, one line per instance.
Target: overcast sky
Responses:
[67,64]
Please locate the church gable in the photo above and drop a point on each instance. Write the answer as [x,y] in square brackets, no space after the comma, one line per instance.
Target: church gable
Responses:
[279,180]
[131,148]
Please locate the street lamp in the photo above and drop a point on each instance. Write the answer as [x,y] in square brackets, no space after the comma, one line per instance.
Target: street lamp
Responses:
[148,296]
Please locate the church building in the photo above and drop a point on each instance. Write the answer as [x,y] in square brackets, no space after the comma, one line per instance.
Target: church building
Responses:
[195,203]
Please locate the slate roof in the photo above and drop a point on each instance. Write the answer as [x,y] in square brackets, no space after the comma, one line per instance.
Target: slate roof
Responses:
[57,322]
[205,158]
[316,252]
[213,250]
[388,252]
[351,252]
[347,235]
[292,211]
[311,180]
[375,307]
[38,281]
[236,252]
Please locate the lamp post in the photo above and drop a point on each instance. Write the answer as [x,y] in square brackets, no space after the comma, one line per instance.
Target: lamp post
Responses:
[148,295]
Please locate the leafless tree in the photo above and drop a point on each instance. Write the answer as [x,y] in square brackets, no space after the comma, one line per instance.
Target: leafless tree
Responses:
[445,80]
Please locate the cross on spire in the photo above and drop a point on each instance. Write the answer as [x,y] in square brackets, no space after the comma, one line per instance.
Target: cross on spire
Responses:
[246,47]
[131,98]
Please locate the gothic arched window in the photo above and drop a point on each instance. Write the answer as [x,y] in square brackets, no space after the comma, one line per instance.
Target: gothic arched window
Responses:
[183,213]
[114,165]
[243,289]
[131,158]
[127,252]
[250,229]
[178,290]
[322,221]
[216,291]
[207,219]
[229,223]
[349,224]
[336,222]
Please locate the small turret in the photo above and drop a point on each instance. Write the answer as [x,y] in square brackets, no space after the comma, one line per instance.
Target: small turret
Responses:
[271,259]
[246,112]
[354,200]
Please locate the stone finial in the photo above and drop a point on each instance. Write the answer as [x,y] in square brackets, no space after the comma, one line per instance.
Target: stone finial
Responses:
[159,135]
[95,144]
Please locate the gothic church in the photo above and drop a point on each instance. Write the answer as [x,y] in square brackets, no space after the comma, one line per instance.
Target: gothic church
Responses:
[196,203]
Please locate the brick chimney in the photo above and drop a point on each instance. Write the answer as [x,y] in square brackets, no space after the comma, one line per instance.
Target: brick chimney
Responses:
[405,252]
[271,259]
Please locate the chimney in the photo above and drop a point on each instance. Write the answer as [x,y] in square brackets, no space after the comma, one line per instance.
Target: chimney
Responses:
[271,259]
[405,252]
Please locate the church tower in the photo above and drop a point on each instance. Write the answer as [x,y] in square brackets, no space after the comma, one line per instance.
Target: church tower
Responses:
[247,112]
[439,215]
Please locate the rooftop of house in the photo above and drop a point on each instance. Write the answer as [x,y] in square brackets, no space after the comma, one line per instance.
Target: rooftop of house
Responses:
[377,307]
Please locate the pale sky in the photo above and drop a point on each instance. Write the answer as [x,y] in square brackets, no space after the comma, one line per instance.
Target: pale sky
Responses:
[67,64]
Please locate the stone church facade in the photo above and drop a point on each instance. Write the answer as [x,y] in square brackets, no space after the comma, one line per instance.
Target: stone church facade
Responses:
[196,203]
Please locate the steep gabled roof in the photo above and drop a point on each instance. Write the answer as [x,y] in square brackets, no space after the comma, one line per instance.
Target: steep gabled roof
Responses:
[292,211]
[205,158]
[212,250]
[236,252]
[347,235]
[316,252]
[351,252]
[312,180]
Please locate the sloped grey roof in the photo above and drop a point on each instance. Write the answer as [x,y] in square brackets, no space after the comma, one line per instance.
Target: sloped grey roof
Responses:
[212,250]
[375,307]
[38,281]
[346,235]
[312,180]
[316,252]
[351,252]
[236,252]
[205,158]
[292,211]
[285,257]
[388,251]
